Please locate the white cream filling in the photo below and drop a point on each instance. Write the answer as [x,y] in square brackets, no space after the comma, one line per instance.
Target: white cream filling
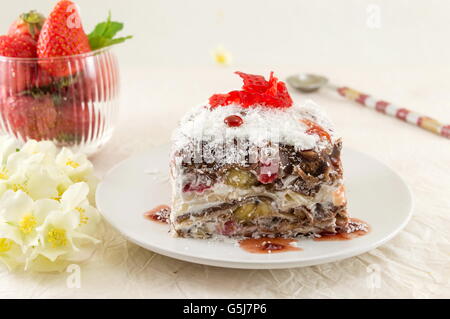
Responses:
[221,193]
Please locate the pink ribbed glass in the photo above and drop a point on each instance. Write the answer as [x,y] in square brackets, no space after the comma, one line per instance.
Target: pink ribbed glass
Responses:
[72,101]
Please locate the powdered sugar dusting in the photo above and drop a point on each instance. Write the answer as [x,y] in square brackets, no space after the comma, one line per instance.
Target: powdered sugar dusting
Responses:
[261,125]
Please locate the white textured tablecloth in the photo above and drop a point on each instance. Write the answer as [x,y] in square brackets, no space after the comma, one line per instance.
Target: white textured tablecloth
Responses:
[416,263]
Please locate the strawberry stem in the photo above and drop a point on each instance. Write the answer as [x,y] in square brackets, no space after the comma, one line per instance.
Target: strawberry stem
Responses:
[34,20]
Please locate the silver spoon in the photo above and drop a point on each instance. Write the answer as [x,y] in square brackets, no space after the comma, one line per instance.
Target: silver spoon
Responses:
[309,83]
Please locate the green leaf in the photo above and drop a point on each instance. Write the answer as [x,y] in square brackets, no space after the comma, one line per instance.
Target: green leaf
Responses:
[104,33]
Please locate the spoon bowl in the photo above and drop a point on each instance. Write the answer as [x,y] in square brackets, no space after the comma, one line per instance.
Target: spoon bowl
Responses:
[306,82]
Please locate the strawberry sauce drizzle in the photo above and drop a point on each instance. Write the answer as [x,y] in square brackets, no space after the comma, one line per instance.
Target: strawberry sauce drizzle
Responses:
[159,214]
[268,245]
[316,129]
[354,222]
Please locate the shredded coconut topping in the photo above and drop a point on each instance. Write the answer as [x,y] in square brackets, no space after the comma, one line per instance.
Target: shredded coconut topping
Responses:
[261,125]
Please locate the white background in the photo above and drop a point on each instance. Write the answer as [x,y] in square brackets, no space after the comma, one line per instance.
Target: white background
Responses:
[167,68]
[267,32]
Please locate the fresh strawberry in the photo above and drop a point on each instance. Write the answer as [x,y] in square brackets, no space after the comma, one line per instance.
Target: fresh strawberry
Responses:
[73,121]
[31,117]
[41,78]
[17,46]
[62,35]
[97,83]
[29,24]
[16,77]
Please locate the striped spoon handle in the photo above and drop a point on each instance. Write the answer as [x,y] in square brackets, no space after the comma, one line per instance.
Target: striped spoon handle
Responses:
[403,114]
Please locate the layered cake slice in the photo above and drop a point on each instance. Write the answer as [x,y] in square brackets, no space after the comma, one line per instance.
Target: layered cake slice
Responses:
[251,163]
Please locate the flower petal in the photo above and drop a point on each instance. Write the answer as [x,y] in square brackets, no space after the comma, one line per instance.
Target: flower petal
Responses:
[74,196]
[14,205]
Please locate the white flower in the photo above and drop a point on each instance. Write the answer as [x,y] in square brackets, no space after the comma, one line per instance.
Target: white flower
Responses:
[10,251]
[76,166]
[47,217]
[48,149]
[35,175]
[18,210]
[74,200]
[37,181]
[7,147]
[58,234]
[21,161]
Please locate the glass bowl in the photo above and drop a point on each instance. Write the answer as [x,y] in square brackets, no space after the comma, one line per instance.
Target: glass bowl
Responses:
[72,101]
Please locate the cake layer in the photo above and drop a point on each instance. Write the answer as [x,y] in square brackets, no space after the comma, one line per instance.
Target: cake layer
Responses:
[305,196]
[283,215]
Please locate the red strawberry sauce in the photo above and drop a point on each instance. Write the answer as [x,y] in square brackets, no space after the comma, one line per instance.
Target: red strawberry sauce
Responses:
[268,245]
[159,214]
[346,236]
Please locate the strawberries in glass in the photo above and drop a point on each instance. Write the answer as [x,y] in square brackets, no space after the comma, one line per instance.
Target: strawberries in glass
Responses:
[55,83]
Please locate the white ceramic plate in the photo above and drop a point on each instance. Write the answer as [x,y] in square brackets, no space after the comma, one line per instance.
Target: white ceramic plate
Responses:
[375,194]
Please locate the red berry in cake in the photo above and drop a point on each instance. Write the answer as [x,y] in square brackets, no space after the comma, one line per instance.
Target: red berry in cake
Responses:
[268,172]
[199,188]
[228,228]
[62,35]
[17,46]
[255,91]
[29,24]
[234,121]
[32,117]
[267,178]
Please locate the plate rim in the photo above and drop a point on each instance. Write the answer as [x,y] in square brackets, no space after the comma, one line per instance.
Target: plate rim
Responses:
[253,264]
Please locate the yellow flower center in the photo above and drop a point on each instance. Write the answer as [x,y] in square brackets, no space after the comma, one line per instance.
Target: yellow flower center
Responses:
[221,58]
[57,237]
[77,179]
[5,245]
[4,173]
[19,187]
[83,218]
[72,163]
[27,224]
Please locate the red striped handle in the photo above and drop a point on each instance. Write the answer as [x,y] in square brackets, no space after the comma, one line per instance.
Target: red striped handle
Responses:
[403,114]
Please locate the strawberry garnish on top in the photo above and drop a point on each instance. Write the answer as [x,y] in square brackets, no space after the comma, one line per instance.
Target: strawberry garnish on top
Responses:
[62,35]
[255,91]
[29,23]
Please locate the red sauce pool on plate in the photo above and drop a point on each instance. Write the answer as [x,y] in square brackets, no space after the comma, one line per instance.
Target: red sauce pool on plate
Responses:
[268,245]
[354,223]
[159,214]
